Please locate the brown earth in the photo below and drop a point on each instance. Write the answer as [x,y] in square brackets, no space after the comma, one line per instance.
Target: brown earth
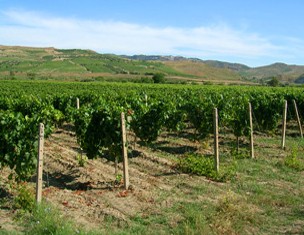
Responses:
[91,194]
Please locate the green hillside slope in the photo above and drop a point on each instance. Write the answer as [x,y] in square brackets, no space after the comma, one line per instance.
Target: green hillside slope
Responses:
[204,71]
[75,64]
[23,62]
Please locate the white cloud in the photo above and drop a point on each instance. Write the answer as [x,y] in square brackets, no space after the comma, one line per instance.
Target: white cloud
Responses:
[34,29]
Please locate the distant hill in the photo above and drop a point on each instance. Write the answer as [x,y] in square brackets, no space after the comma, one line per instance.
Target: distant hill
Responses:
[284,72]
[300,79]
[76,64]
[233,66]
[204,71]
[23,62]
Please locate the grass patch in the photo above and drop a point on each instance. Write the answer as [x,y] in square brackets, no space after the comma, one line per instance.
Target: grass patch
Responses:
[234,215]
[292,160]
[2,232]
[45,219]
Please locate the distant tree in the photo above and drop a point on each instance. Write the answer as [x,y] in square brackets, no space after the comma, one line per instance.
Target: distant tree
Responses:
[158,78]
[273,82]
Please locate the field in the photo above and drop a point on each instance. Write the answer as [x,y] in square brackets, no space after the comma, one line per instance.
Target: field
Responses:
[257,196]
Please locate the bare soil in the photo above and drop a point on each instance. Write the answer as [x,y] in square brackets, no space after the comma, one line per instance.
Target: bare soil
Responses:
[91,194]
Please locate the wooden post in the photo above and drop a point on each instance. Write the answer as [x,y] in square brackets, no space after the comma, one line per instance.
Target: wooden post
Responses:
[284,124]
[40,164]
[251,131]
[216,144]
[77,103]
[124,152]
[146,99]
[298,117]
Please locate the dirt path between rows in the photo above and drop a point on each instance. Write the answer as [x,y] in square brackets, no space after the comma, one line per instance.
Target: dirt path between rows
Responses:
[89,194]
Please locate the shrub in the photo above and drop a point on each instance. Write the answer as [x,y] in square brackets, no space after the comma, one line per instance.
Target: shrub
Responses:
[159,78]
[273,82]
[24,199]
[204,166]
[292,161]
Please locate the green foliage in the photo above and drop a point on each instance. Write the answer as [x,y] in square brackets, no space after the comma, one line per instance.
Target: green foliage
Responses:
[293,161]
[66,105]
[273,82]
[158,78]
[81,159]
[36,108]
[204,166]
[19,146]
[147,122]
[146,80]
[99,129]
[267,109]
[152,109]
[149,118]
[104,131]
[236,114]
[196,164]
[118,179]
[19,132]
[81,121]
[24,198]
[176,114]
[200,114]
[240,154]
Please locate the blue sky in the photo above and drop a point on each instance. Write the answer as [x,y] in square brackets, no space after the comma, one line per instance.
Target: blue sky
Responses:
[253,32]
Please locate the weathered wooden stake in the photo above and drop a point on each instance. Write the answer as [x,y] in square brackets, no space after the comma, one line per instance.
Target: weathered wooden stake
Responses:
[40,164]
[124,152]
[284,124]
[146,99]
[298,117]
[77,103]
[216,144]
[251,131]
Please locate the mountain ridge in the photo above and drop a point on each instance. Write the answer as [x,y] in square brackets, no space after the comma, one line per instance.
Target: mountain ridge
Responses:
[283,71]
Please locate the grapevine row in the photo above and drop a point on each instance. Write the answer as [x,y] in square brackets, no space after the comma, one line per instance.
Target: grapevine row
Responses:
[151,109]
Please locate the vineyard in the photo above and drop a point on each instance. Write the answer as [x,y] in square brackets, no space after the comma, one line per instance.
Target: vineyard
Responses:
[169,131]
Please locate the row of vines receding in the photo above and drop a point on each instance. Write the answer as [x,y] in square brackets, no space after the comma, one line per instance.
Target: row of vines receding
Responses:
[149,110]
